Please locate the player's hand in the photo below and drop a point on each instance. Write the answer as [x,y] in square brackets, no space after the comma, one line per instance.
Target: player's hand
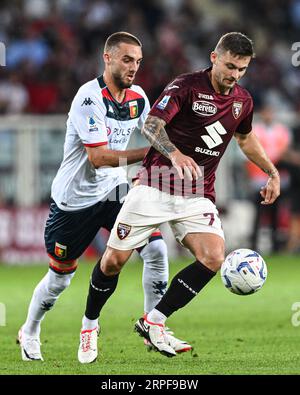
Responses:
[271,190]
[185,165]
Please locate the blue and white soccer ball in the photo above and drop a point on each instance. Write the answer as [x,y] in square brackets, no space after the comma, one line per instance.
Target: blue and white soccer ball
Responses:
[244,271]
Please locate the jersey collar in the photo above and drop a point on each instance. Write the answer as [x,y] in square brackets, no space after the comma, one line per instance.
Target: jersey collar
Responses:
[101,82]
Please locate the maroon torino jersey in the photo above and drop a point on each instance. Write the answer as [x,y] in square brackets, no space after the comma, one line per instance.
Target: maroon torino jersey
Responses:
[200,123]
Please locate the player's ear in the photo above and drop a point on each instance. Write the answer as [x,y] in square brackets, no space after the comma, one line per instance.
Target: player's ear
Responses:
[213,57]
[106,58]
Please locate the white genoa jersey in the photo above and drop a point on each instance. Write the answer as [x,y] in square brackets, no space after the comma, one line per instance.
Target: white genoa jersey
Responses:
[95,119]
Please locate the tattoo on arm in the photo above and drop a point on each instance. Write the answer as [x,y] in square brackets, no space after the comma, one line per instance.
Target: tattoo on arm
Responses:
[271,173]
[156,134]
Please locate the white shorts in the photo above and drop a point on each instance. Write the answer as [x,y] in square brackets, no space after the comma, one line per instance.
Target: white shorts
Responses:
[146,208]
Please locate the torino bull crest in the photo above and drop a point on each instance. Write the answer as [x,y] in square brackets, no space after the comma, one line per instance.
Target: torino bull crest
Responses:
[123,230]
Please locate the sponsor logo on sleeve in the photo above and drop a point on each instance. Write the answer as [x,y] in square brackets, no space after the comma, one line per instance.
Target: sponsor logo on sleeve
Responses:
[163,103]
[92,125]
[204,108]
[123,230]
[237,109]
[60,250]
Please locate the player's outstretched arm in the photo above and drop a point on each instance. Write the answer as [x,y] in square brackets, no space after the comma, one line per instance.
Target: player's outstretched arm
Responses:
[155,133]
[102,156]
[254,151]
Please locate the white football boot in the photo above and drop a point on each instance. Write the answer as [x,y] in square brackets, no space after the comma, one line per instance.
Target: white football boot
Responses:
[30,346]
[88,347]
[178,345]
[156,335]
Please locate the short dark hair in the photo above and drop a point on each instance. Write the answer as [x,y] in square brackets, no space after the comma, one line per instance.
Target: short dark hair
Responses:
[120,37]
[237,43]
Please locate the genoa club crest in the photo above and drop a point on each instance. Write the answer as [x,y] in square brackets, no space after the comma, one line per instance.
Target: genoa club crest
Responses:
[60,250]
[123,230]
[133,109]
[237,109]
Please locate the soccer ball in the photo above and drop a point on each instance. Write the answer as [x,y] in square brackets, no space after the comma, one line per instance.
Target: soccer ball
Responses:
[244,271]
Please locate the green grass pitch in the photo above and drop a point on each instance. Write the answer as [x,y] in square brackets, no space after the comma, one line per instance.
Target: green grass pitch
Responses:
[230,334]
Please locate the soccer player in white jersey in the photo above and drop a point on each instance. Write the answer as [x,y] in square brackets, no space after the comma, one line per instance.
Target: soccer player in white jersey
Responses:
[88,191]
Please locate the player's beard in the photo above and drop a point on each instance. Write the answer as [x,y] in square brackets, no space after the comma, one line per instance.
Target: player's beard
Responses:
[224,85]
[231,83]
[120,83]
[227,82]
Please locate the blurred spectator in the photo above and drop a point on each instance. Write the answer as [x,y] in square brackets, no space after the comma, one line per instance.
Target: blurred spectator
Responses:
[275,138]
[30,46]
[63,37]
[13,95]
[53,48]
[295,13]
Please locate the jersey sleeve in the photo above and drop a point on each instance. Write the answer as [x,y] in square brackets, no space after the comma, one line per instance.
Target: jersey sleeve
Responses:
[245,126]
[144,113]
[88,119]
[170,101]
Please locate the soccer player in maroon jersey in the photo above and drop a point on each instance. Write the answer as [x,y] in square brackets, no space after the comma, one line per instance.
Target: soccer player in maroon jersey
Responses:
[189,128]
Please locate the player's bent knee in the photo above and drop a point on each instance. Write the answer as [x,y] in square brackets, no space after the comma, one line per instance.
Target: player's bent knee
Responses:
[213,260]
[60,276]
[62,282]
[113,261]
[111,266]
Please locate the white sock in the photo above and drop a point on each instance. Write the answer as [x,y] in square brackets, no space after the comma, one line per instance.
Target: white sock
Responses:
[156,316]
[88,324]
[44,296]
[155,272]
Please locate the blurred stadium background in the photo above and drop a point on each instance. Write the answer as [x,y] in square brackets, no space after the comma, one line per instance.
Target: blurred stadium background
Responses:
[54,46]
